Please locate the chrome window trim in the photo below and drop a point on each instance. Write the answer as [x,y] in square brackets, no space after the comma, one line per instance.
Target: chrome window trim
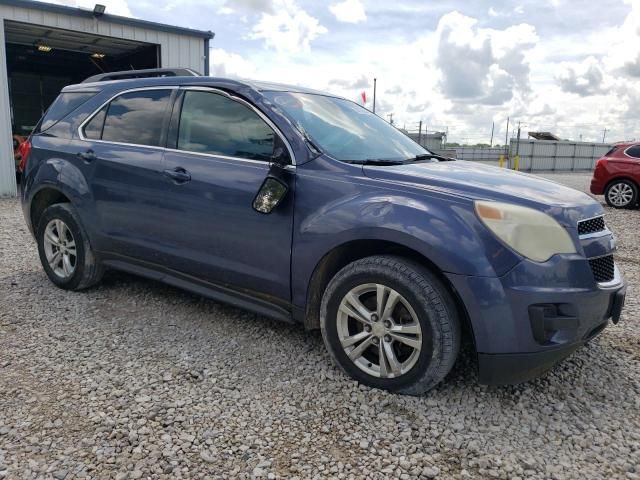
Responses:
[251,107]
[165,149]
[95,112]
[629,156]
[213,155]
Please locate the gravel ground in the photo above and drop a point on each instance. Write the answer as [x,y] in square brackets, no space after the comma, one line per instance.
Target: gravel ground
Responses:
[134,379]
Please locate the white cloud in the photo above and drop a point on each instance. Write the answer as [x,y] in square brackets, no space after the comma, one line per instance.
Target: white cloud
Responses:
[114,7]
[349,11]
[289,29]
[623,51]
[518,10]
[584,78]
[482,65]
[232,65]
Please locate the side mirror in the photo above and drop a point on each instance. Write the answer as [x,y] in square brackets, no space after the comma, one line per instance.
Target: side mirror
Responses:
[271,193]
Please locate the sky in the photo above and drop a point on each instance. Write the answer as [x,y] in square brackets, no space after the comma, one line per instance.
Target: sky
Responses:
[569,67]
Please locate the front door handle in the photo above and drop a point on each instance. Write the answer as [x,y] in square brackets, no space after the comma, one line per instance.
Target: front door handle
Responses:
[178,175]
[88,156]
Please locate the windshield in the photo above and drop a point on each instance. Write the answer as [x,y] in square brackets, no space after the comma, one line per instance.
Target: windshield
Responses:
[344,129]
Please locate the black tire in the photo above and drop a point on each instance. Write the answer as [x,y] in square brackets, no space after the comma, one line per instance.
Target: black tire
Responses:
[87,271]
[628,185]
[432,303]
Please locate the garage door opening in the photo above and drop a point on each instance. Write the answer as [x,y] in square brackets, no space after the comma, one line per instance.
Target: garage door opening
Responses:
[42,60]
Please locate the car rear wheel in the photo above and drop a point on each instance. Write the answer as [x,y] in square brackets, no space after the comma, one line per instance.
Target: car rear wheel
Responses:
[621,194]
[391,324]
[64,249]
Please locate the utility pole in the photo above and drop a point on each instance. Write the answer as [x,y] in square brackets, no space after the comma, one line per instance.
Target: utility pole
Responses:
[604,134]
[420,133]
[506,140]
[374,94]
[390,118]
[491,143]
[518,140]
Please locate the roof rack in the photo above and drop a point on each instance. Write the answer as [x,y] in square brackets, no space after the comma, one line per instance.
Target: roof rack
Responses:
[148,73]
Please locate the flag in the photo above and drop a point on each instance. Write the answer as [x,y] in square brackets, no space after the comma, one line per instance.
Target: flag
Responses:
[364,97]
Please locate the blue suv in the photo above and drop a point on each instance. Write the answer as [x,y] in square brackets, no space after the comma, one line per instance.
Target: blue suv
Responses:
[308,208]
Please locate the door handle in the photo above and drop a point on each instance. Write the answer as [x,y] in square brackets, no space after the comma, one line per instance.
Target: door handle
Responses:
[178,175]
[88,156]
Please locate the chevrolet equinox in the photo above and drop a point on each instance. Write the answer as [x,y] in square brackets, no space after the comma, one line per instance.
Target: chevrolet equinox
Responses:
[307,207]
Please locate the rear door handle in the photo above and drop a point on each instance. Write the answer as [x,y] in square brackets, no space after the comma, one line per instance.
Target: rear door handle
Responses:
[178,175]
[88,156]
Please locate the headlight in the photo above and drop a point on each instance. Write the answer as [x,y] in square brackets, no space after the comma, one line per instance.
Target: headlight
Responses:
[529,232]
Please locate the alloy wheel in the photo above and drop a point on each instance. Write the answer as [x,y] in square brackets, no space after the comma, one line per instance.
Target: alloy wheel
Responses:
[60,248]
[620,194]
[379,331]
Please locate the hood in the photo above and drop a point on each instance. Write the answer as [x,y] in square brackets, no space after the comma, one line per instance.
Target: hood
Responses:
[475,181]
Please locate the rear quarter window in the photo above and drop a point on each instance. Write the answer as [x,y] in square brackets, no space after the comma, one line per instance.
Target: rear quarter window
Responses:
[62,106]
[633,151]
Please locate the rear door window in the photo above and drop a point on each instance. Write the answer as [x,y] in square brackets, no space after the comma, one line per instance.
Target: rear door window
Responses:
[62,106]
[634,151]
[135,118]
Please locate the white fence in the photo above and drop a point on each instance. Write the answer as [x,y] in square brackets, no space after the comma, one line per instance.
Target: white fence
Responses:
[478,154]
[543,155]
[540,155]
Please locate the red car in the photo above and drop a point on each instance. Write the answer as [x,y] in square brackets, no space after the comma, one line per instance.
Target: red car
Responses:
[617,176]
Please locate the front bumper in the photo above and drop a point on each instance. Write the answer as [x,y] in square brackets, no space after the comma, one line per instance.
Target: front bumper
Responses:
[534,316]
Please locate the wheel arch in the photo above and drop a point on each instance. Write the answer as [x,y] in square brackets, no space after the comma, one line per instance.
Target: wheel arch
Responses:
[42,199]
[350,251]
[621,177]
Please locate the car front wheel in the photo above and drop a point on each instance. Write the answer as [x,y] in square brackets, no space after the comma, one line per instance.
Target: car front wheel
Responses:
[621,194]
[391,324]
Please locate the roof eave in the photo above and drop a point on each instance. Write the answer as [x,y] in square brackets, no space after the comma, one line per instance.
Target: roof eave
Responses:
[133,22]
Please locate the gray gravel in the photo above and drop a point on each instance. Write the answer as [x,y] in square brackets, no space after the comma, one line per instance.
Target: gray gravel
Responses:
[134,379]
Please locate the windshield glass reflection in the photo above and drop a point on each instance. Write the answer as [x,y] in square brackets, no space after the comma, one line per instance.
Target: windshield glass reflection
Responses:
[344,129]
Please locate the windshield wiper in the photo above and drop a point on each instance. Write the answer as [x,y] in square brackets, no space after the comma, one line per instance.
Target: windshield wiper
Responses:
[376,161]
[427,156]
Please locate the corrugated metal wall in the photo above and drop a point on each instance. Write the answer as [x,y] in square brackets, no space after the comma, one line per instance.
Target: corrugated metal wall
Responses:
[538,155]
[7,164]
[429,141]
[479,154]
[175,50]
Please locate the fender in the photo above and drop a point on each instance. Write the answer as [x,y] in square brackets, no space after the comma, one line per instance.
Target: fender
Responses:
[331,212]
[55,173]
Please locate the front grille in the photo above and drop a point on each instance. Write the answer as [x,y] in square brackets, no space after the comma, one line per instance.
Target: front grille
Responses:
[603,268]
[591,225]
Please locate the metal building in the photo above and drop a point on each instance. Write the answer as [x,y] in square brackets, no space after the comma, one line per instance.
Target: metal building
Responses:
[44,47]
[431,141]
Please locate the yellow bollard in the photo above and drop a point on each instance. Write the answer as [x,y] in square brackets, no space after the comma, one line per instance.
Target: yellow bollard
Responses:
[501,161]
[517,162]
